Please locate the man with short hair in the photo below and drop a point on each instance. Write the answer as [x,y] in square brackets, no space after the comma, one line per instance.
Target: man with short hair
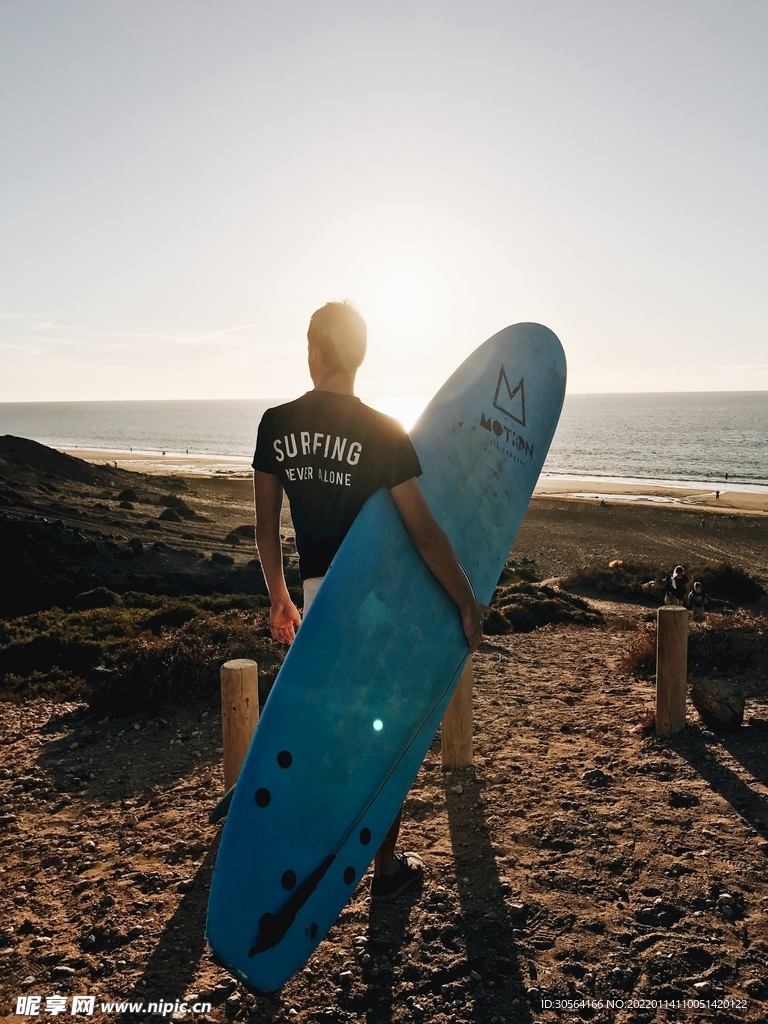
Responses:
[330,453]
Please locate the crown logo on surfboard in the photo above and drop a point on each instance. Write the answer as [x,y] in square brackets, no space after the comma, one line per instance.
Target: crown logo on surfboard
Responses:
[513,398]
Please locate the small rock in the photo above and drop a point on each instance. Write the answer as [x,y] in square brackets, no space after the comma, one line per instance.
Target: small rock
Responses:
[677,798]
[596,778]
[475,976]
[458,790]
[220,559]
[62,971]
[702,987]
[29,980]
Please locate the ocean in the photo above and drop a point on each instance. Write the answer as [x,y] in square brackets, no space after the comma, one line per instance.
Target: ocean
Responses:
[709,437]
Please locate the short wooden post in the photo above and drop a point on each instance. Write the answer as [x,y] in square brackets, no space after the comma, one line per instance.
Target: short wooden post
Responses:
[457,723]
[239,713]
[671,669]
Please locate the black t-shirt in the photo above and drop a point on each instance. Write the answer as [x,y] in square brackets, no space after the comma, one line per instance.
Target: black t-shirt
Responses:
[330,453]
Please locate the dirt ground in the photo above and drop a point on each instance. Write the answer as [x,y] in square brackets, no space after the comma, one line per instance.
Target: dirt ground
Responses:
[579,859]
[581,870]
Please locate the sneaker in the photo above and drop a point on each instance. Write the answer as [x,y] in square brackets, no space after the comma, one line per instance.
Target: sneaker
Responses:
[385,888]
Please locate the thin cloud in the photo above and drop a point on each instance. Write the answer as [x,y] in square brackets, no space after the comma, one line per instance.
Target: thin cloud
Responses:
[215,335]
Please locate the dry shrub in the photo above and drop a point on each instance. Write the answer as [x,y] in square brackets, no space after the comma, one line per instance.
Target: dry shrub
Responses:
[639,657]
[725,584]
[523,607]
[727,646]
[735,645]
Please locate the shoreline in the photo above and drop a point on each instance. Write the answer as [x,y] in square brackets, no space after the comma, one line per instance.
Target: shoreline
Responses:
[744,498]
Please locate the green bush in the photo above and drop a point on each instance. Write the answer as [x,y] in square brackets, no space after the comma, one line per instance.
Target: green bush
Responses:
[181,665]
[142,651]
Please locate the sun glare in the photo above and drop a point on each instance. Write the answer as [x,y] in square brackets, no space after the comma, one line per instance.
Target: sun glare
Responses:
[402,295]
[405,408]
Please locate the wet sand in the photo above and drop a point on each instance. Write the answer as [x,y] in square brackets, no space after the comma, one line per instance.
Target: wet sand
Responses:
[732,497]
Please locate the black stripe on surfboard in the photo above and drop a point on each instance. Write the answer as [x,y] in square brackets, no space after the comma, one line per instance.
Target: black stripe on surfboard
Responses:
[221,808]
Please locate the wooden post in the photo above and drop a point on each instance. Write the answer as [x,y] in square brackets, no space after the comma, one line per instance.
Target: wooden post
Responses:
[457,723]
[671,669]
[239,713]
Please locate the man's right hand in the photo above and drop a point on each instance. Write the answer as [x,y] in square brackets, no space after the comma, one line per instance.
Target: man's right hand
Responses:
[472,617]
[284,620]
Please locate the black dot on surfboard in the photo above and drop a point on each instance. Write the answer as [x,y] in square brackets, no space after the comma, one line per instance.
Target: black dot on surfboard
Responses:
[349,875]
[365,836]
[284,759]
[288,879]
[262,797]
[312,931]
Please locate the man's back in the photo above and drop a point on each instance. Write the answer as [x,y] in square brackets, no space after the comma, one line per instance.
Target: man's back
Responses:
[330,452]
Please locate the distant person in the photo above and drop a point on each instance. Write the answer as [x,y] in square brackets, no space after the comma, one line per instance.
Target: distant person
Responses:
[698,602]
[726,476]
[299,450]
[676,588]
[717,495]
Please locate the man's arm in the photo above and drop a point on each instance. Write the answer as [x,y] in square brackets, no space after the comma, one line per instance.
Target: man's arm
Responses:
[434,547]
[284,616]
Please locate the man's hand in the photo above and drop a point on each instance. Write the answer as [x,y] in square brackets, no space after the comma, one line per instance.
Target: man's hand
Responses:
[472,617]
[284,620]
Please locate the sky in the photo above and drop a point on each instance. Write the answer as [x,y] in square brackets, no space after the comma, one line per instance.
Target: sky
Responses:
[183,183]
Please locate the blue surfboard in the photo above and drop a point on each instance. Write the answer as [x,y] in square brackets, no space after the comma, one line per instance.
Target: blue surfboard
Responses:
[365,684]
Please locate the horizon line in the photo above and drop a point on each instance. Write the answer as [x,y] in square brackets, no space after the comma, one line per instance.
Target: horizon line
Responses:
[390,395]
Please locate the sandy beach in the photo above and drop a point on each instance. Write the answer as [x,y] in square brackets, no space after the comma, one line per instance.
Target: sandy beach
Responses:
[732,498]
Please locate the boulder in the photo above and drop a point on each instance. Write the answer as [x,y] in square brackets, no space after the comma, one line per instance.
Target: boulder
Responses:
[100,597]
[720,705]
[169,515]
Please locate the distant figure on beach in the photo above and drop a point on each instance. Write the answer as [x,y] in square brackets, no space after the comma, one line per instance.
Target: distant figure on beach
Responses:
[330,453]
[698,602]
[676,587]
[717,495]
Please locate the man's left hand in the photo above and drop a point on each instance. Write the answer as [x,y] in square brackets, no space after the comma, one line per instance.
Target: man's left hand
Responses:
[284,620]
